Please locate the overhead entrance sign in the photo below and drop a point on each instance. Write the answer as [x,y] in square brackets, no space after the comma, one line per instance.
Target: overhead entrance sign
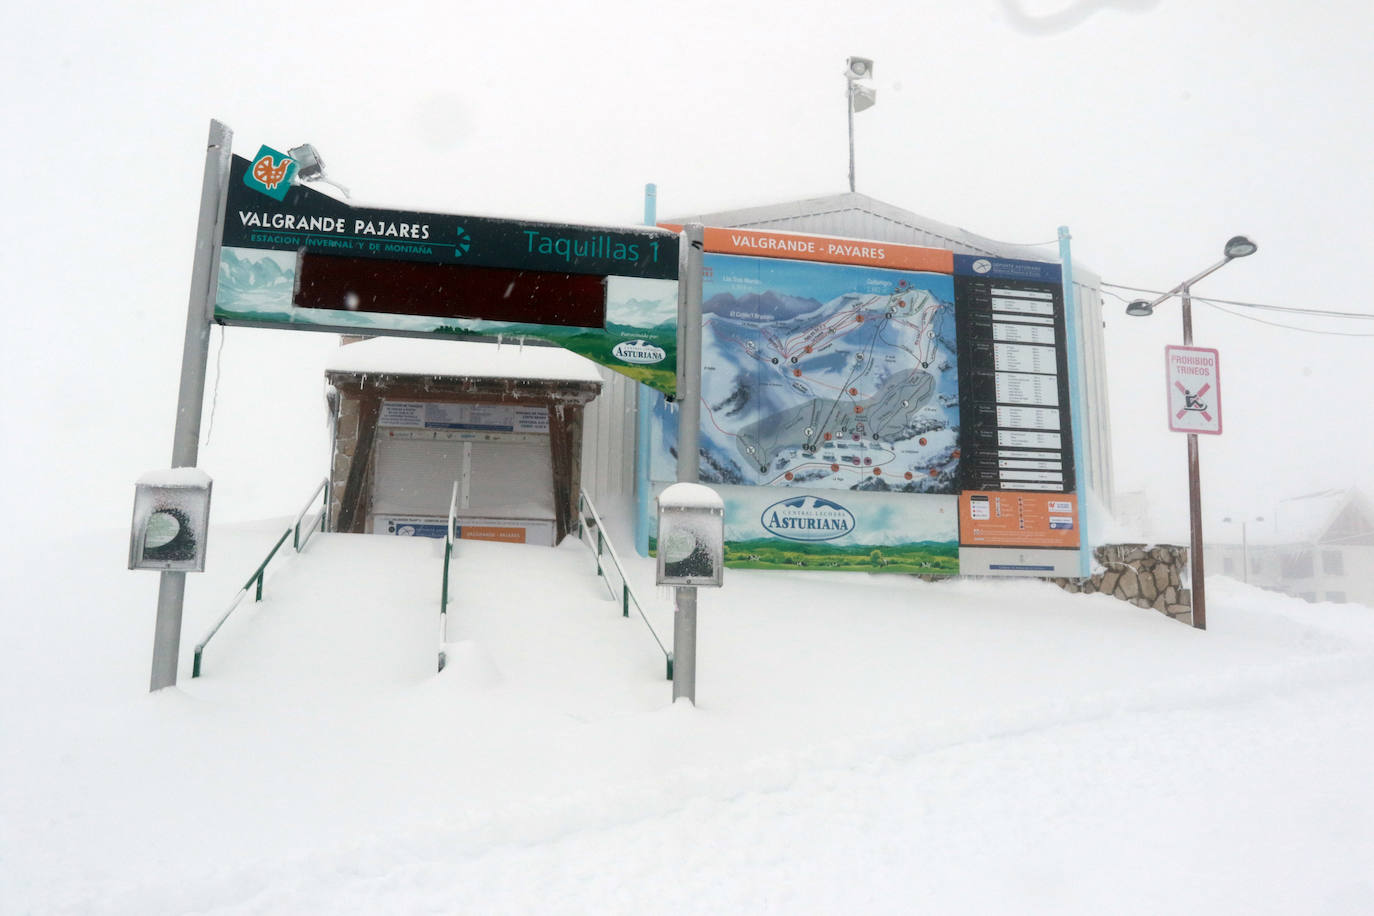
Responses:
[1193,376]
[293,257]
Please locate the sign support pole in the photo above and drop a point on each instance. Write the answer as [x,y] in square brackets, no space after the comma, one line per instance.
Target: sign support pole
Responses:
[194,359]
[849,104]
[644,400]
[688,450]
[689,357]
[1077,401]
[1198,579]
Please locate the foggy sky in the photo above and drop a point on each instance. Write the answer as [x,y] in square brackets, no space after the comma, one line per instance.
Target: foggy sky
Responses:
[1154,130]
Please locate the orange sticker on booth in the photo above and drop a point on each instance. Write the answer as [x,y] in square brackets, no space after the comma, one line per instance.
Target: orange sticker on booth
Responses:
[492,533]
[1007,518]
[824,248]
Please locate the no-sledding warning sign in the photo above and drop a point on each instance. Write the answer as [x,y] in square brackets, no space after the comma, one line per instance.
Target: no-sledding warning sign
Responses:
[1193,375]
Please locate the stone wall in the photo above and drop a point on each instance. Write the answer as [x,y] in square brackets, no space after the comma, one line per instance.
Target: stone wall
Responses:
[1146,575]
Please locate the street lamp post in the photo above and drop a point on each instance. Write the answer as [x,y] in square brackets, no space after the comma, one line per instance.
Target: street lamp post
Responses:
[858,98]
[1237,247]
[1244,546]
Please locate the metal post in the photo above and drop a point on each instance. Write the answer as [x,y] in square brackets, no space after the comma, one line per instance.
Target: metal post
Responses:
[194,358]
[684,661]
[1077,401]
[1244,554]
[689,358]
[171,592]
[849,104]
[1199,583]
[1186,292]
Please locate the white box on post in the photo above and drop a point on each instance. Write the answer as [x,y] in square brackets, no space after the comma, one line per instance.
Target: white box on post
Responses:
[171,521]
[691,536]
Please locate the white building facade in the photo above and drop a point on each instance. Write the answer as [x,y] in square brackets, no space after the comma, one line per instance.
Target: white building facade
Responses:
[1317,547]
[608,445]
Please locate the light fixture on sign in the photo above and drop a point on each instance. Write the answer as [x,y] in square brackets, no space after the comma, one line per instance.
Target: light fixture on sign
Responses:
[310,167]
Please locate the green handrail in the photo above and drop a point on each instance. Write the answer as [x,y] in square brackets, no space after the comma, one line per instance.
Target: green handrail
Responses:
[588,516]
[256,579]
[318,523]
[260,574]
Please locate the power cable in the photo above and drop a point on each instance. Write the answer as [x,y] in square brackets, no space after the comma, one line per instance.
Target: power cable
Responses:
[1325,313]
[1032,244]
[1272,324]
[1289,327]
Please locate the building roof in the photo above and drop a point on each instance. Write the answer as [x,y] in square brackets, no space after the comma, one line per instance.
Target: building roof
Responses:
[855,215]
[461,359]
[1325,517]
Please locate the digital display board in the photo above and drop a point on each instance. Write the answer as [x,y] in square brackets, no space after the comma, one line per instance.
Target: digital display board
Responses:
[450,291]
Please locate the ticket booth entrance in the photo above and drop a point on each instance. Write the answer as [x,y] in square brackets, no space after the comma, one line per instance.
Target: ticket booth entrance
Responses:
[494,429]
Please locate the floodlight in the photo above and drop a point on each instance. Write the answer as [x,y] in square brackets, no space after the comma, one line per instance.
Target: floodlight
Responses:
[859,68]
[309,165]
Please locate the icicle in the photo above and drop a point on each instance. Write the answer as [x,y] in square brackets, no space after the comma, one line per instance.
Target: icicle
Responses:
[214,396]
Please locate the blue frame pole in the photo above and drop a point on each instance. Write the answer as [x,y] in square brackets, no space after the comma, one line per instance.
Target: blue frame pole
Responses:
[1076,397]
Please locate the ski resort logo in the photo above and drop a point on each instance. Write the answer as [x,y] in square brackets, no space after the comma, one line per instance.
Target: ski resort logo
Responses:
[807,518]
[463,242]
[271,173]
[640,352]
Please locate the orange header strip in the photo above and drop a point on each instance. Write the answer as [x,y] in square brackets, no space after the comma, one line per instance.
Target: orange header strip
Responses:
[824,248]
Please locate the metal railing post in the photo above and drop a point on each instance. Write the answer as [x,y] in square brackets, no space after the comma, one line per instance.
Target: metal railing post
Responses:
[590,518]
[449,533]
[255,582]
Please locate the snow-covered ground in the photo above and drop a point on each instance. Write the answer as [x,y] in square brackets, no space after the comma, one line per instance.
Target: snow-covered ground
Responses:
[861,744]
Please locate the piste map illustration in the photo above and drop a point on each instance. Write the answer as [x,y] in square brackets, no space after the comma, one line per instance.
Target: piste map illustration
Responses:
[827,376]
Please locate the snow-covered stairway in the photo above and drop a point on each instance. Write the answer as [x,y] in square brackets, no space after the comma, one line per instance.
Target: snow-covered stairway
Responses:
[527,617]
[349,610]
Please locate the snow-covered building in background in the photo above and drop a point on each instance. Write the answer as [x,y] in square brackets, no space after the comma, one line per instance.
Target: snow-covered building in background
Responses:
[1317,547]
[609,447]
[489,432]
